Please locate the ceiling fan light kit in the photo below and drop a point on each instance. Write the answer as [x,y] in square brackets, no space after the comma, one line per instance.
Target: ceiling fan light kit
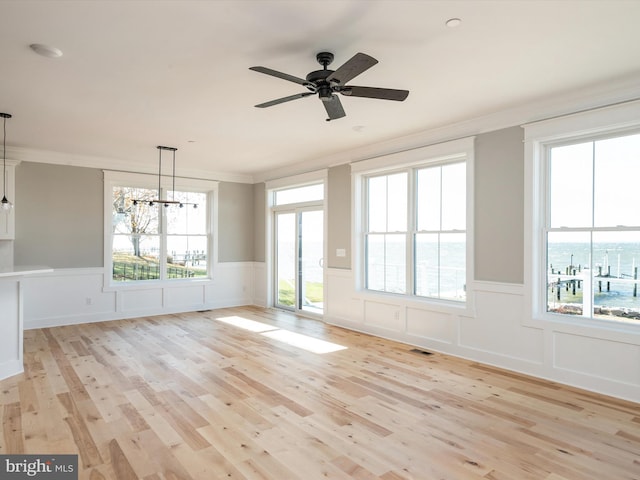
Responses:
[326,83]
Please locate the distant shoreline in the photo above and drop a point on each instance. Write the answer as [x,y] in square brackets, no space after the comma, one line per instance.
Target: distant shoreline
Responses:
[632,314]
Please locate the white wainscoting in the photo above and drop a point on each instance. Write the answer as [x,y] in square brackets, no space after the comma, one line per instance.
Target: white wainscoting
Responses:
[495,331]
[10,326]
[72,296]
[260,293]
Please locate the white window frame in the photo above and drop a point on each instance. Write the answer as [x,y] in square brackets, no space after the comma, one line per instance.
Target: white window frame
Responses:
[285,183]
[455,151]
[615,120]
[114,179]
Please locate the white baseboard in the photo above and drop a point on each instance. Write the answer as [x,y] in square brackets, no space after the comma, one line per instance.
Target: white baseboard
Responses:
[11,368]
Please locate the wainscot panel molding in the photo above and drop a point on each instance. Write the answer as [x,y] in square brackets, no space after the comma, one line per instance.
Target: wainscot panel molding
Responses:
[11,300]
[232,285]
[259,292]
[76,295]
[496,332]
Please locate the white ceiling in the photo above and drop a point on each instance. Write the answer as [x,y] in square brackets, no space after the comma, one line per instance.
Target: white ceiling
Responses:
[136,74]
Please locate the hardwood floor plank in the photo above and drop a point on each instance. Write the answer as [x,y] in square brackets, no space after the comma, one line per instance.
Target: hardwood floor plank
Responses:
[269,392]
[87,448]
[174,402]
[190,397]
[137,422]
[354,470]
[120,463]
[180,424]
[12,429]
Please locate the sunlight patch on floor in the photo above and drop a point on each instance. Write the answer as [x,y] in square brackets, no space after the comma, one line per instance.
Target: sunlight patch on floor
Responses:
[294,339]
[305,342]
[247,324]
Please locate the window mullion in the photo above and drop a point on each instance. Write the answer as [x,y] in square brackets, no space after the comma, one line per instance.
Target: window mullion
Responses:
[162,213]
[411,231]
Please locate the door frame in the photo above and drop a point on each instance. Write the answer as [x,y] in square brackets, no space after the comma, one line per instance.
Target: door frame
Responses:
[297,210]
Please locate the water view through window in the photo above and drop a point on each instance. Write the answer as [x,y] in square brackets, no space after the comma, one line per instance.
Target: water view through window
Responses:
[593,233]
[416,232]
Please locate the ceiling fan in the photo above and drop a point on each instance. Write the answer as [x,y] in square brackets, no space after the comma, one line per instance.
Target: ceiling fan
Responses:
[326,83]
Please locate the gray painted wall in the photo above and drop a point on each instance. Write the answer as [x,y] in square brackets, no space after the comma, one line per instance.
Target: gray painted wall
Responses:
[339,216]
[499,206]
[58,216]
[235,222]
[259,232]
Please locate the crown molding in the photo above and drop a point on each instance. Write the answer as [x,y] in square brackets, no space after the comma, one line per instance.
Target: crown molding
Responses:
[566,103]
[597,96]
[104,163]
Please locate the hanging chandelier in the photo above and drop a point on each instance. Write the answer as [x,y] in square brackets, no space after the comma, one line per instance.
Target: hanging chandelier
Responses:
[6,204]
[159,200]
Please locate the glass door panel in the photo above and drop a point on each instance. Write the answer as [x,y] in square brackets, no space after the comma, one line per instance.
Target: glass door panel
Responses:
[285,260]
[310,260]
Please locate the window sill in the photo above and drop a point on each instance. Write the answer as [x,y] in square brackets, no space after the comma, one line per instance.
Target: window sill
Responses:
[618,330]
[154,284]
[420,303]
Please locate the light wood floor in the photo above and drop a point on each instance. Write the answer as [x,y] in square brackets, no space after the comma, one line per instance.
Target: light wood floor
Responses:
[192,397]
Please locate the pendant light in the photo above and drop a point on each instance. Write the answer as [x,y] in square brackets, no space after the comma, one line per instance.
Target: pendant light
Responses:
[158,200]
[6,204]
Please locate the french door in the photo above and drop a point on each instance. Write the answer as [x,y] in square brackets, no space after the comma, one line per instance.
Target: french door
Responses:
[299,251]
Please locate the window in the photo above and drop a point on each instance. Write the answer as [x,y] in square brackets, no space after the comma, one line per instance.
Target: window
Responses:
[592,228]
[296,242]
[582,221]
[440,238]
[386,235]
[151,241]
[415,225]
[307,193]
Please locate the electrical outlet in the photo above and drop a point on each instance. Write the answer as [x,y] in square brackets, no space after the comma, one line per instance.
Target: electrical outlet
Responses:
[88,301]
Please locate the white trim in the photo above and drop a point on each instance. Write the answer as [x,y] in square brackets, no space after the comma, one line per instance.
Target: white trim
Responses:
[538,136]
[551,106]
[151,181]
[104,163]
[309,178]
[498,287]
[299,180]
[461,149]
[210,187]
[440,152]
[11,368]
[12,163]
[592,122]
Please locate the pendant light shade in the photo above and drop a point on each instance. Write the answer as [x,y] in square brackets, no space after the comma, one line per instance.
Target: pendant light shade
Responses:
[5,204]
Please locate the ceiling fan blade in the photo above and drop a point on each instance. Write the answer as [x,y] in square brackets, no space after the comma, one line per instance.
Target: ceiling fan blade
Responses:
[373,92]
[284,99]
[333,106]
[352,68]
[275,73]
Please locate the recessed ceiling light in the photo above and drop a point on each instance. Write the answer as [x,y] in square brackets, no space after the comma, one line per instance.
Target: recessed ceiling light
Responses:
[46,50]
[453,22]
